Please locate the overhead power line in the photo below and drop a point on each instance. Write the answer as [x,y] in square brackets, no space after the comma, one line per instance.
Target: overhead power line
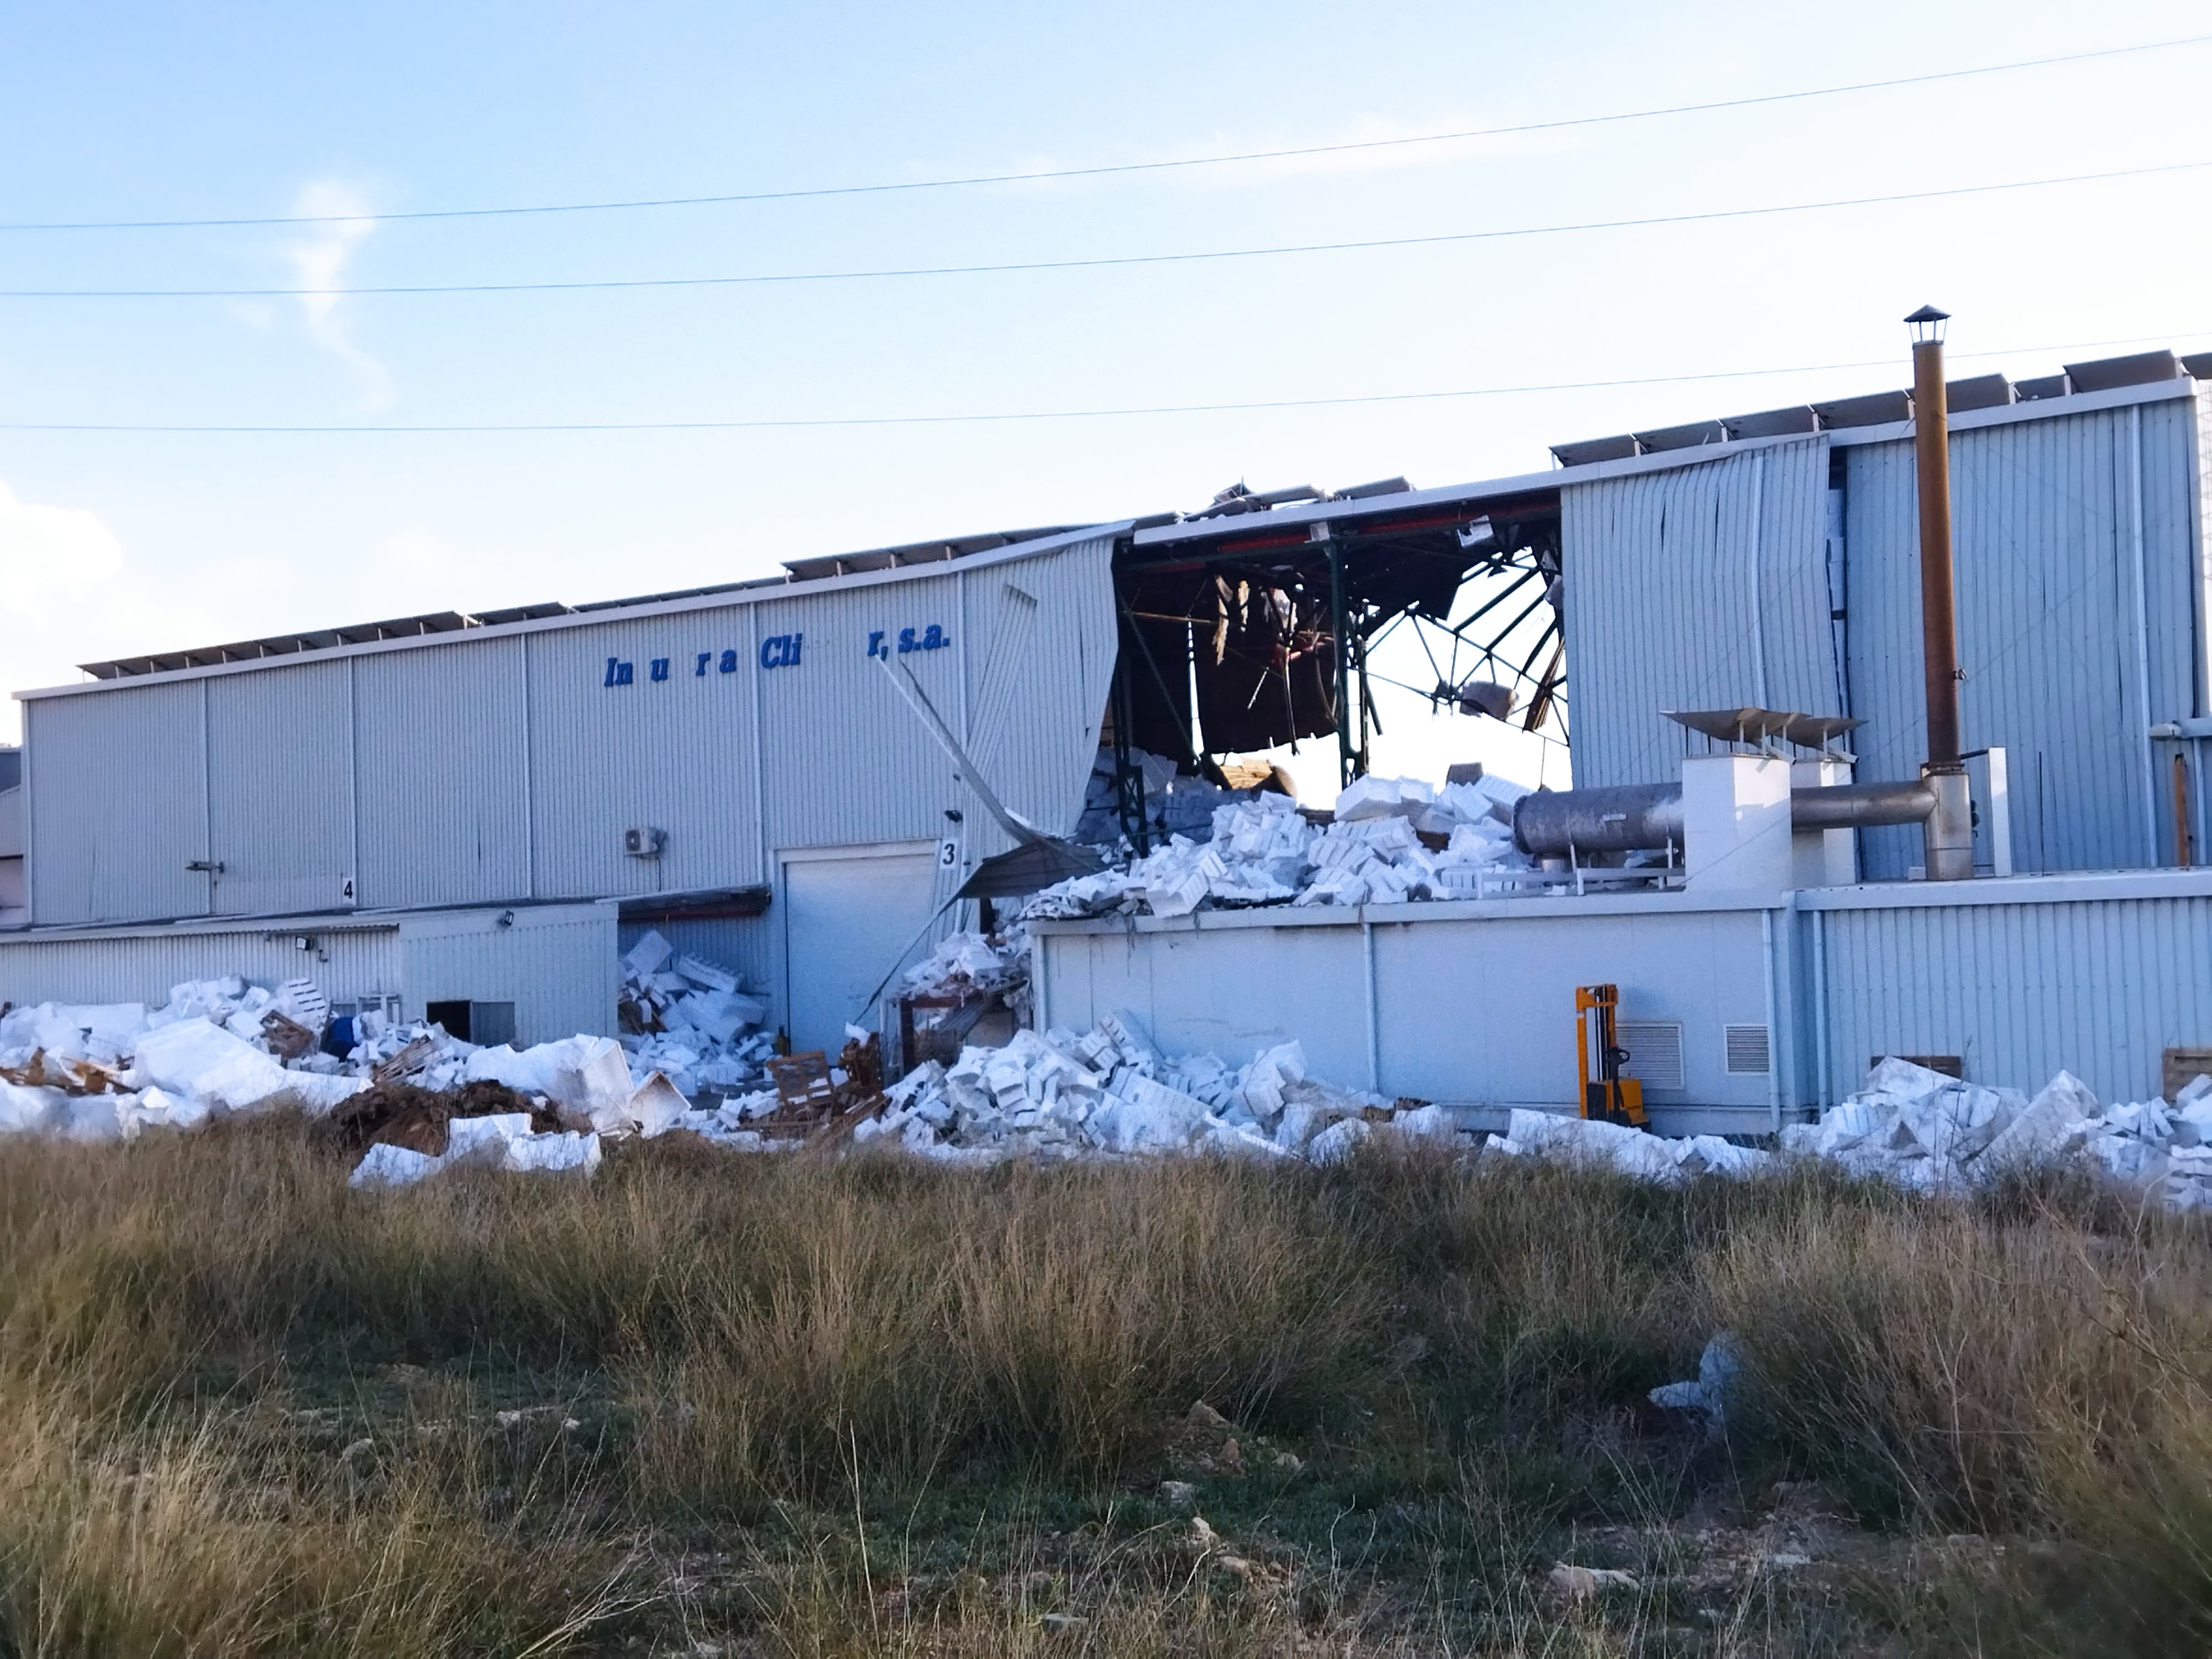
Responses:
[1095,263]
[1039,175]
[1257,405]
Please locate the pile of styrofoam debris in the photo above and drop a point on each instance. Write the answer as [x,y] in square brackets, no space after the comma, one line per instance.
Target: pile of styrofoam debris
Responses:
[1110,1092]
[960,977]
[1922,1130]
[1929,1132]
[1593,1142]
[973,962]
[108,1071]
[691,1020]
[223,1047]
[1263,851]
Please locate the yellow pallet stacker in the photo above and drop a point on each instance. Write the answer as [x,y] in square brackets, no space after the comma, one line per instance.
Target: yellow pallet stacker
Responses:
[1599,1057]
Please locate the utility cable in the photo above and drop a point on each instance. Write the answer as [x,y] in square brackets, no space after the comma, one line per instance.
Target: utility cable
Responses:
[1256,406]
[1039,175]
[1101,262]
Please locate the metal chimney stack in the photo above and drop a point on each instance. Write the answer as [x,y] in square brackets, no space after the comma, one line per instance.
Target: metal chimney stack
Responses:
[1948,829]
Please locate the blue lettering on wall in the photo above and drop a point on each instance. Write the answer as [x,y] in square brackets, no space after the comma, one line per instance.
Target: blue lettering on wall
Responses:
[777,651]
[932,638]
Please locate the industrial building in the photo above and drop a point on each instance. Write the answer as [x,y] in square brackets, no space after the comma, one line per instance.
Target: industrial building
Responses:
[473,812]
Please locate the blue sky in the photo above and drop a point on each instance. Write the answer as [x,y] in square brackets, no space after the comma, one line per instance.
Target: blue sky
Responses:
[112,543]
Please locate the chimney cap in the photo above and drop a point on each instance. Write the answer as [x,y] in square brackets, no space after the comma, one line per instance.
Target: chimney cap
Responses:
[1927,325]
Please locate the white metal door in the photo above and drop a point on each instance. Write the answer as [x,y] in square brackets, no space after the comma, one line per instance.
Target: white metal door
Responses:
[850,916]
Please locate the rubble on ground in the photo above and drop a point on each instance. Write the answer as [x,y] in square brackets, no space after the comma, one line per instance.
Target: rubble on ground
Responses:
[416,1100]
[1390,841]
[1111,1092]
[691,1020]
[1928,1132]
[223,1048]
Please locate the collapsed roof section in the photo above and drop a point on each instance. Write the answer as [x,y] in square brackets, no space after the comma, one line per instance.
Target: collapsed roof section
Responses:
[1257,616]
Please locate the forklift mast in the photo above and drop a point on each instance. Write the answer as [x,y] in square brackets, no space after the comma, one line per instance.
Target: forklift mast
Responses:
[1604,1094]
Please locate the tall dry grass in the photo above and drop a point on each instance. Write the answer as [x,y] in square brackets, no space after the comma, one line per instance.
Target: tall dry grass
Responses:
[2012,1368]
[245,1410]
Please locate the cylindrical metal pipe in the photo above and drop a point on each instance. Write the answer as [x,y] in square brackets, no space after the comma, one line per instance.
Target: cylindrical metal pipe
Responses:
[1860,805]
[1939,639]
[1629,819]
[1644,817]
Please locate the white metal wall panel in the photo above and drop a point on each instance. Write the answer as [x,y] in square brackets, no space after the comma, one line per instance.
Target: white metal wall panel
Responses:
[280,754]
[118,800]
[2055,639]
[1453,993]
[2098,988]
[673,754]
[1700,586]
[555,963]
[441,764]
[128,968]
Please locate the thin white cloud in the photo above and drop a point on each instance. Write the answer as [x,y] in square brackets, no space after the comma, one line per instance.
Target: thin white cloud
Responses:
[319,264]
[71,595]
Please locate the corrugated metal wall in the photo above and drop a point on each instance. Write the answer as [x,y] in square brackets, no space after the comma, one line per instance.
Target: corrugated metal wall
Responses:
[117,805]
[489,771]
[846,761]
[2051,519]
[441,760]
[1698,586]
[348,965]
[2101,988]
[555,963]
[676,754]
[283,825]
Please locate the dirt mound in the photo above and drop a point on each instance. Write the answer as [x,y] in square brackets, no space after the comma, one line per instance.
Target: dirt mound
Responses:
[402,1115]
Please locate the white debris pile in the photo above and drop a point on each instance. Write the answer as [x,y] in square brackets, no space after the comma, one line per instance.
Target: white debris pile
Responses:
[1263,851]
[691,1020]
[1922,1129]
[973,962]
[1595,1143]
[1928,1132]
[961,977]
[1110,1092]
[502,1140]
[110,1071]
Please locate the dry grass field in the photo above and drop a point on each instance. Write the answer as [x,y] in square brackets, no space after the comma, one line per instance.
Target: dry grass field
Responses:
[712,1405]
